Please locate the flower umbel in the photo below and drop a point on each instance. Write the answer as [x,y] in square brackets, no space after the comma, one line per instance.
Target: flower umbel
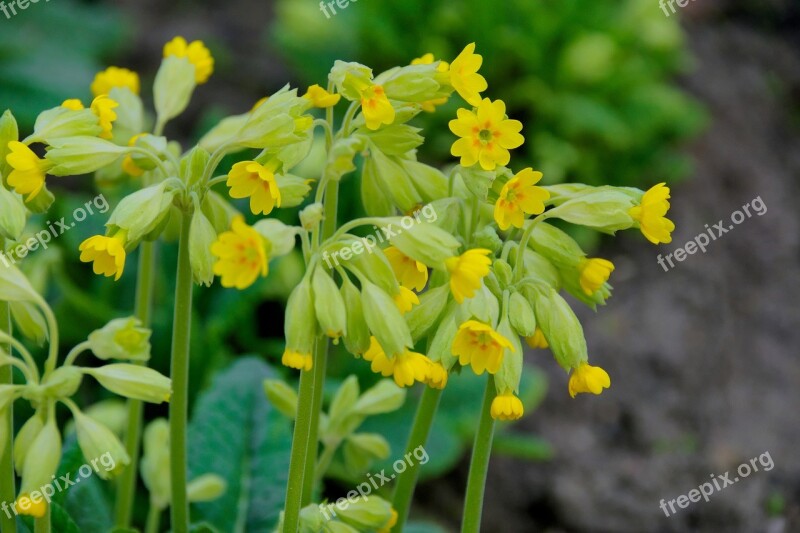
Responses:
[650,214]
[507,406]
[587,378]
[115,77]
[28,175]
[242,255]
[376,107]
[467,272]
[486,135]
[196,52]
[594,273]
[480,346]
[249,179]
[464,75]
[106,252]
[410,273]
[520,196]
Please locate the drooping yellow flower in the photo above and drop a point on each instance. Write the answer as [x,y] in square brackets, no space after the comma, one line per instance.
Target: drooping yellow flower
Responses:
[406,368]
[196,52]
[73,103]
[376,107]
[437,378]
[467,272]
[519,197]
[107,253]
[587,378]
[480,346]
[242,255]
[507,406]
[537,340]
[297,360]
[26,506]
[428,59]
[321,98]
[464,75]
[650,214]
[405,299]
[128,166]
[594,273]
[103,106]
[391,523]
[28,174]
[250,179]
[486,136]
[409,272]
[115,77]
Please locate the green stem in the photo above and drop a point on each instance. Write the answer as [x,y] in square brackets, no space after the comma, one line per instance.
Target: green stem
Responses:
[309,478]
[153,519]
[479,465]
[76,351]
[300,444]
[42,525]
[126,489]
[179,405]
[328,451]
[8,489]
[423,421]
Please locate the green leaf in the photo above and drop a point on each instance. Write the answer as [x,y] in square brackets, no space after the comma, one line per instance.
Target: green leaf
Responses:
[239,436]
[86,502]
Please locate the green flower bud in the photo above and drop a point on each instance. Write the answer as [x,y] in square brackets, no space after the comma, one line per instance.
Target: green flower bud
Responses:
[561,328]
[426,315]
[333,526]
[156,149]
[133,381]
[566,191]
[425,243]
[429,182]
[384,397]
[112,413]
[311,520]
[328,304]
[350,78]
[340,422]
[23,442]
[300,325]
[224,132]
[537,267]
[384,320]
[477,181]
[294,189]
[97,441]
[342,155]
[280,237]
[556,245]
[448,215]
[15,287]
[281,396]
[272,124]
[395,139]
[356,338]
[605,210]
[441,349]
[60,122]
[206,488]
[201,236]
[122,338]
[13,214]
[30,321]
[9,131]
[311,215]
[218,211]
[372,265]
[503,272]
[42,202]
[391,179]
[173,87]
[373,194]
[484,306]
[130,114]
[508,377]
[411,83]
[63,382]
[521,315]
[366,513]
[143,212]
[72,156]
[42,458]
[155,463]
[193,165]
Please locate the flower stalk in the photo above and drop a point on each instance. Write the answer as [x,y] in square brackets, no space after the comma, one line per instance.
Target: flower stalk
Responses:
[7,482]
[479,465]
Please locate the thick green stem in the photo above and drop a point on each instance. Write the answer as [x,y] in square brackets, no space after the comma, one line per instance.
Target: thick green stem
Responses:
[423,421]
[127,483]
[479,466]
[8,489]
[179,405]
[41,525]
[300,443]
[153,520]
[309,477]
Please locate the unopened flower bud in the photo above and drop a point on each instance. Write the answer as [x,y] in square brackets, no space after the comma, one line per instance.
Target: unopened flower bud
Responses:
[72,156]
[122,338]
[366,513]
[133,381]
[155,465]
[63,382]
[143,212]
[328,304]
[356,338]
[13,214]
[98,442]
[201,236]
[383,397]
[173,87]
[521,315]
[311,215]
[42,458]
[281,396]
[384,320]
[206,488]
[561,328]
[24,440]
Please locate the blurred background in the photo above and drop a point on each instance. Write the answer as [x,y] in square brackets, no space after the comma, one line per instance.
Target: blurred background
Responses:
[703,358]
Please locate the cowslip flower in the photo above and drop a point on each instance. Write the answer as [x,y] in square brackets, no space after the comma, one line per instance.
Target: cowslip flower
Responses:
[103,106]
[467,272]
[537,340]
[249,179]
[486,135]
[409,272]
[479,345]
[28,174]
[321,98]
[376,107]
[650,214]
[27,506]
[197,54]
[72,103]
[464,75]
[405,299]
[107,253]
[588,378]
[406,368]
[242,255]
[128,165]
[594,273]
[519,197]
[506,406]
[297,360]
[115,77]
[437,376]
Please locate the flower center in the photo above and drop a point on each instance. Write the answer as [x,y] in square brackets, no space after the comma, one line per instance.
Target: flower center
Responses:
[485,135]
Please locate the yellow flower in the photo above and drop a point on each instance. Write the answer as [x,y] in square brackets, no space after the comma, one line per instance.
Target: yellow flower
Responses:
[28,174]
[390,524]
[587,378]
[506,406]
[651,215]
[128,166]
[479,345]
[464,75]
[73,104]
[486,135]
[242,255]
[196,52]
[405,299]
[428,59]
[406,368]
[409,273]
[295,359]
[28,507]
[249,179]
[107,253]
[115,77]
[594,273]
[376,107]
[520,197]
[467,272]
[537,340]
[321,98]
[103,106]
[437,378]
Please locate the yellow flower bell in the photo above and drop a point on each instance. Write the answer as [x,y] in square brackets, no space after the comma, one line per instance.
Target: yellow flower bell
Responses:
[486,135]
[587,378]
